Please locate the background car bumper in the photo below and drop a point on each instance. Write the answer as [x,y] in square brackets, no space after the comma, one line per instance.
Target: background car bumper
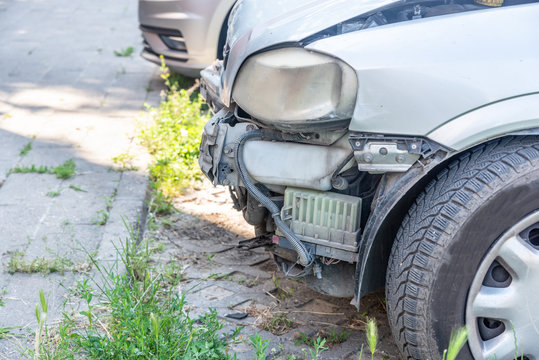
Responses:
[185,32]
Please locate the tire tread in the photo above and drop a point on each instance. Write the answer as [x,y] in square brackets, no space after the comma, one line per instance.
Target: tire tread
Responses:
[426,230]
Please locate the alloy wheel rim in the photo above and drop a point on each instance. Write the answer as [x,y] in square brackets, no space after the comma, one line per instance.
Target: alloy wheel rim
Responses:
[502,310]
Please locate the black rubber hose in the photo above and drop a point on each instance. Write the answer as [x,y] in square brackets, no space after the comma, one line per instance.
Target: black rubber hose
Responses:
[304,257]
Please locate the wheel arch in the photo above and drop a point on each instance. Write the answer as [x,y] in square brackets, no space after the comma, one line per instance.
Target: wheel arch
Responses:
[396,194]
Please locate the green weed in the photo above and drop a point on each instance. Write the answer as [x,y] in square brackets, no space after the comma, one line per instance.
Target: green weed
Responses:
[282,293]
[53,194]
[172,273]
[372,335]
[5,332]
[456,341]
[126,52]
[133,315]
[166,222]
[259,345]
[63,171]
[26,149]
[77,188]
[159,248]
[17,264]
[41,316]
[173,138]
[318,348]
[160,204]
[279,324]
[332,337]
[360,353]
[103,215]
[30,169]
[252,283]
[124,162]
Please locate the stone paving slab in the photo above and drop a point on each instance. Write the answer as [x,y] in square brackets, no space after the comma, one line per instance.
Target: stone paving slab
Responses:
[63,90]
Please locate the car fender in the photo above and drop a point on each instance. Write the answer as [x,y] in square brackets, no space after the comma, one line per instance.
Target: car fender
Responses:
[490,121]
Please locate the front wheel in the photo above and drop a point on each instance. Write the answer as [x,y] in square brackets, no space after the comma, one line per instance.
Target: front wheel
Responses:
[467,253]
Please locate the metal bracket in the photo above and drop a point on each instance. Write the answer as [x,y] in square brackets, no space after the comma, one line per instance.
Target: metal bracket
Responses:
[380,154]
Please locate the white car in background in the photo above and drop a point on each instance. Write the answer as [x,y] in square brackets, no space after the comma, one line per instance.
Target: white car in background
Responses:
[190,34]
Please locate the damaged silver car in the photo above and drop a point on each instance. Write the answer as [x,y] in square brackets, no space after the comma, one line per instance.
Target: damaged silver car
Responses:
[391,144]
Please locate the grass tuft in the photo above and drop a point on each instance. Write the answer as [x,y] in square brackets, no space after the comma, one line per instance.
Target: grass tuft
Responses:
[160,204]
[5,332]
[133,315]
[103,215]
[259,345]
[126,52]
[331,336]
[63,171]
[124,162]
[53,194]
[42,265]
[173,137]
[30,169]
[279,324]
[26,149]
[77,188]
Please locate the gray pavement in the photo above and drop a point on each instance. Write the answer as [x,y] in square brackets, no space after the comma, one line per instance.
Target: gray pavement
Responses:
[63,90]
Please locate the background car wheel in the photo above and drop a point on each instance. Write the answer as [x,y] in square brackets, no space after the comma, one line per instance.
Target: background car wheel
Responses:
[454,241]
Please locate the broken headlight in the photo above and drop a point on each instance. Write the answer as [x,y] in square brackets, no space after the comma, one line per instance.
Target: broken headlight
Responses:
[292,87]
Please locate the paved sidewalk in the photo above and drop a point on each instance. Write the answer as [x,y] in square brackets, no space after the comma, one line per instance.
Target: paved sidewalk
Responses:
[63,90]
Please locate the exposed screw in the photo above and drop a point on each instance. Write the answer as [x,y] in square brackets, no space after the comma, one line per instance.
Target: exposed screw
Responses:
[251,127]
[414,146]
[399,158]
[367,157]
[228,150]
[339,183]
[358,143]
[383,151]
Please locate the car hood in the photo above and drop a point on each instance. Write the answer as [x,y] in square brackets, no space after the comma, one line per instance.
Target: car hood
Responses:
[257,25]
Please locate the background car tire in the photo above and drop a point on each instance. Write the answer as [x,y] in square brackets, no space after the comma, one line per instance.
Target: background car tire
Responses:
[446,234]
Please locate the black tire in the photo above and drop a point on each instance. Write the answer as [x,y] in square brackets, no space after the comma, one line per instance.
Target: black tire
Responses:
[446,234]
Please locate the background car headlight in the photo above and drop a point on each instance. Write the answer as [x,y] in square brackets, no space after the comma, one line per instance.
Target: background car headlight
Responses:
[292,87]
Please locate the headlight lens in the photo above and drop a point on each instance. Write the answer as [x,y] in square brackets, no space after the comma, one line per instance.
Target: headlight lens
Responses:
[290,88]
